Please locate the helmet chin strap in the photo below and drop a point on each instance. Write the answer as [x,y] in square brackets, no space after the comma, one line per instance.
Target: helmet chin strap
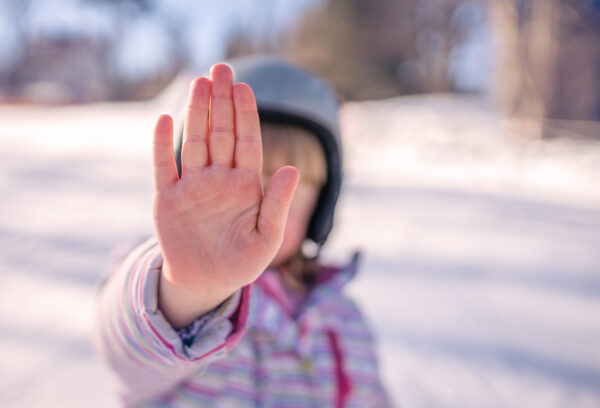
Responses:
[310,249]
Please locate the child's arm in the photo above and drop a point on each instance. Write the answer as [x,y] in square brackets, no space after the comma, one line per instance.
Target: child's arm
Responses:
[217,232]
[147,354]
[216,229]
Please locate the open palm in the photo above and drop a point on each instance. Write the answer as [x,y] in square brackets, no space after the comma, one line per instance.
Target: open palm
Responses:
[216,229]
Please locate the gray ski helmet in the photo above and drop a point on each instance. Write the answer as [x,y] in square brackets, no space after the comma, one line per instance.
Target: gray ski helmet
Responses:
[288,95]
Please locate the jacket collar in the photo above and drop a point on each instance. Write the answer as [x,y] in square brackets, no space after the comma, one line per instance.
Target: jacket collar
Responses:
[330,280]
[272,316]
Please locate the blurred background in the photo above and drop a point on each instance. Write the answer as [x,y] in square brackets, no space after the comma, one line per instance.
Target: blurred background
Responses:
[471,135]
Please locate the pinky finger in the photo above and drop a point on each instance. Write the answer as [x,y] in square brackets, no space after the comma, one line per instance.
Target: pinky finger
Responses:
[165,169]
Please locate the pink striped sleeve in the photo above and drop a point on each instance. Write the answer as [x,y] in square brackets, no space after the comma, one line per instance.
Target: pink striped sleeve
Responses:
[145,352]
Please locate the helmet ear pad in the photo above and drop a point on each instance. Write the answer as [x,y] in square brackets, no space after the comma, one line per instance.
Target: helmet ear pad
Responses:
[321,221]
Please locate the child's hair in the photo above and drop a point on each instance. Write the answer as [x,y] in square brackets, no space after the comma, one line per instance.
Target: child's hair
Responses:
[300,148]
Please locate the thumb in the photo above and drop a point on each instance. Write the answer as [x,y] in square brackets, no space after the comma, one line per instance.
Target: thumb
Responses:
[276,203]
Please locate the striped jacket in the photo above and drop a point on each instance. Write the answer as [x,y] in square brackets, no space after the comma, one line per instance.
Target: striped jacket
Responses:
[251,351]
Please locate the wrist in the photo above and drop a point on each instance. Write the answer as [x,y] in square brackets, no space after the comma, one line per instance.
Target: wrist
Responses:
[181,305]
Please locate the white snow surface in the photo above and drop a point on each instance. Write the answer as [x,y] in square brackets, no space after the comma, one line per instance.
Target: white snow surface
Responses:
[480,272]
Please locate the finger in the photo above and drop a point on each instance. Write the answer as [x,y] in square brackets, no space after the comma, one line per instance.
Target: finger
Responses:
[221,140]
[276,203]
[248,148]
[165,169]
[194,153]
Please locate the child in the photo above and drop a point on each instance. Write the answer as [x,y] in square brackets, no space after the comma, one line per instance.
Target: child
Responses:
[189,319]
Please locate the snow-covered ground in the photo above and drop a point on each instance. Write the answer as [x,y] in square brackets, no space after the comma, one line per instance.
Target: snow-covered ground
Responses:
[481,266]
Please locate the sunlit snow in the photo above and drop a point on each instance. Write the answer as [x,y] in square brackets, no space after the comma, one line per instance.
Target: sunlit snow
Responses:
[481,261]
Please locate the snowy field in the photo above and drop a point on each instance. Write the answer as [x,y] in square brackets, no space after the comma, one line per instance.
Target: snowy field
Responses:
[481,266]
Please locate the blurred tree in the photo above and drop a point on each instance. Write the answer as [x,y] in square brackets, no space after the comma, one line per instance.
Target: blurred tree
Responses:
[240,43]
[76,65]
[375,48]
[139,5]
[549,63]
[124,13]
[10,75]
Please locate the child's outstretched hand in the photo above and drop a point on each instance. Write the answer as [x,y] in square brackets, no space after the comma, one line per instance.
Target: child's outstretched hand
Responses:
[216,229]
